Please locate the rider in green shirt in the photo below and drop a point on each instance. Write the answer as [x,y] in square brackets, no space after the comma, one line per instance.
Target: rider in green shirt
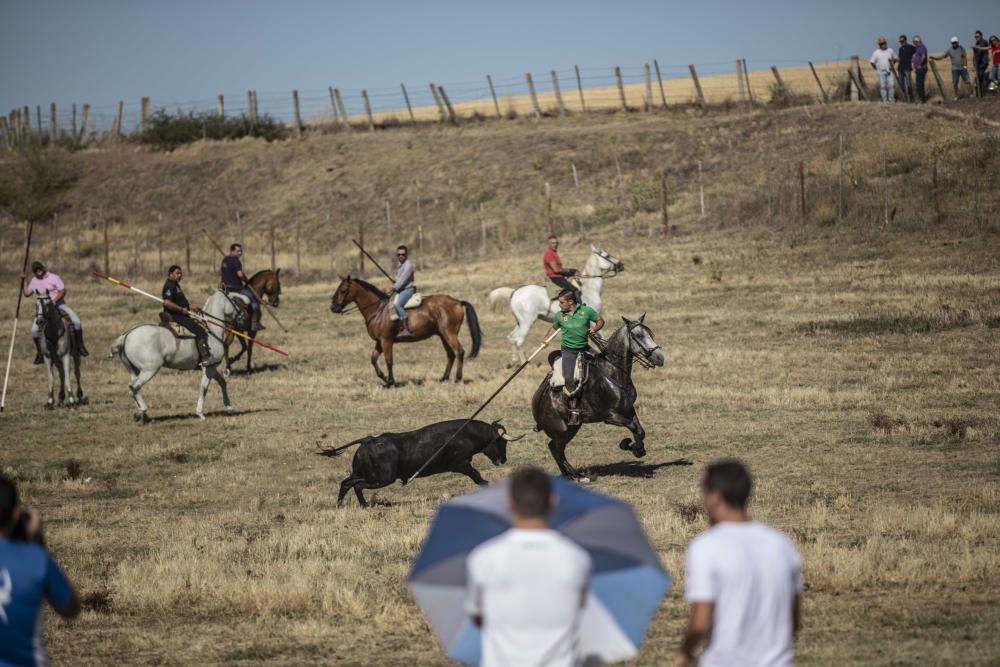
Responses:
[575,322]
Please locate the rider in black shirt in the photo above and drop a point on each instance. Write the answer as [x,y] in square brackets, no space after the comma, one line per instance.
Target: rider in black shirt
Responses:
[176,305]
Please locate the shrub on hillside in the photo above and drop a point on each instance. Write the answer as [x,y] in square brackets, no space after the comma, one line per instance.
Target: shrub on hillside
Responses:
[645,196]
[782,97]
[166,131]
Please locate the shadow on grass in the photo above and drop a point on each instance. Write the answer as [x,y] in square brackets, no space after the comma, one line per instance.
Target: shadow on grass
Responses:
[263,368]
[633,468]
[214,413]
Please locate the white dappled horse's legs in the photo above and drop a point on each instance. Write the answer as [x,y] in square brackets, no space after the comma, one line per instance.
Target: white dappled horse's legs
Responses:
[202,390]
[136,385]
[48,367]
[67,386]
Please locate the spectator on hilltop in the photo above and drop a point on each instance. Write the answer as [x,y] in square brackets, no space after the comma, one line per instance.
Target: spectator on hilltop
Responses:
[992,53]
[956,53]
[28,577]
[882,60]
[906,51]
[920,66]
[744,581]
[981,59]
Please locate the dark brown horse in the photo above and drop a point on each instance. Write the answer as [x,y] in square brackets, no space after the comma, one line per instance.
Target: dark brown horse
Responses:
[608,396]
[267,284]
[438,314]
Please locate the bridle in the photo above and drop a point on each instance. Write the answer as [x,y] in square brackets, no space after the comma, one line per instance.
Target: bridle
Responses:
[647,352]
[616,266]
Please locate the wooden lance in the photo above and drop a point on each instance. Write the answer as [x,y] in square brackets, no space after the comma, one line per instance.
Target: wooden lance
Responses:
[17,314]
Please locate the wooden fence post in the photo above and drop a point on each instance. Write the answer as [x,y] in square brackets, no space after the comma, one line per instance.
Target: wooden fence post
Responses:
[333,106]
[117,127]
[665,216]
[739,81]
[343,109]
[897,82]
[53,126]
[442,116]
[144,106]
[221,106]
[697,86]
[859,87]
[493,94]
[579,87]
[648,102]
[368,111]
[534,97]
[447,104]
[621,87]
[777,78]
[107,247]
[3,132]
[559,99]
[38,120]
[854,76]
[256,108]
[26,120]
[250,107]
[937,78]
[74,135]
[822,91]
[409,108]
[701,190]
[273,262]
[576,187]
[298,115]
[746,75]
[659,80]
[548,208]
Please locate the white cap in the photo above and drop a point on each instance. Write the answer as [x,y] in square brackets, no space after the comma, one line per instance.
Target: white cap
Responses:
[954,40]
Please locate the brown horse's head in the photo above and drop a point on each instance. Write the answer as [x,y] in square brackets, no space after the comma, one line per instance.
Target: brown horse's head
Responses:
[268,284]
[343,295]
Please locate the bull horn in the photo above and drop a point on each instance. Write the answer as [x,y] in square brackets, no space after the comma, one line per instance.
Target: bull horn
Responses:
[510,439]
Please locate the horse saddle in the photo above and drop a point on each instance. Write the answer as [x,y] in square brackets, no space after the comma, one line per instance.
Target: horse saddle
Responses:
[413,302]
[177,330]
[239,297]
[581,372]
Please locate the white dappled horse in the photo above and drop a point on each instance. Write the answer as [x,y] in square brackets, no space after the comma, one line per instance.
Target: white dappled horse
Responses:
[58,351]
[532,302]
[148,347]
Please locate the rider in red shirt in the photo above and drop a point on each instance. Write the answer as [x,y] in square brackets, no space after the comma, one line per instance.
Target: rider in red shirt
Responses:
[554,269]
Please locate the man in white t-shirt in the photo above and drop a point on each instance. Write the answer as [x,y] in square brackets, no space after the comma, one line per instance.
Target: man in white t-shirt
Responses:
[744,581]
[882,61]
[527,587]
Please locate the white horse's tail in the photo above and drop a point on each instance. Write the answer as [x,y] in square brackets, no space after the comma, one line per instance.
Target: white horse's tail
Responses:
[116,347]
[500,297]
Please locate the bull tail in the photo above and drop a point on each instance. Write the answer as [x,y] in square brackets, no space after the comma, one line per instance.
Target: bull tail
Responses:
[334,451]
[474,329]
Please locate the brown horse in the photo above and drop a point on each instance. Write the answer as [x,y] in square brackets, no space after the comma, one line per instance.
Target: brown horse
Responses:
[438,314]
[267,284]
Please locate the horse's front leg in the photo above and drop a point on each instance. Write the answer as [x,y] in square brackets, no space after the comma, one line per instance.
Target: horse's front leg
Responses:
[49,404]
[631,422]
[214,374]
[202,390]
[376,353]
[64,377]
[387,350]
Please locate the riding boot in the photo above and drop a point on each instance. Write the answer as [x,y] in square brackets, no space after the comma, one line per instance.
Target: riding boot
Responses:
[39,358]
[574,411]
[205,355]
[255,324]
[78,337]
[404,330]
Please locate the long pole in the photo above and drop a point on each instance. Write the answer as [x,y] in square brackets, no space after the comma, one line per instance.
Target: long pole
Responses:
[209,318]
[255,293]
[483,406]
[17,314]
[377,266]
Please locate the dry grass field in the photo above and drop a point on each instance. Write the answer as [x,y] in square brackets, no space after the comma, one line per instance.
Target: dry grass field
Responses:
[853,365]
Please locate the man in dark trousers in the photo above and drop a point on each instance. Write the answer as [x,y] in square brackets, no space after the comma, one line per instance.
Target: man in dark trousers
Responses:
[176,305]
[576,321]
[920,66]
[905,54]
[554,270]
[234,280]
[981,58]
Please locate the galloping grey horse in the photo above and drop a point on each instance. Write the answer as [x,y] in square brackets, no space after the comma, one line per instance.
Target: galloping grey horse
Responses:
[147,348]
[58,349]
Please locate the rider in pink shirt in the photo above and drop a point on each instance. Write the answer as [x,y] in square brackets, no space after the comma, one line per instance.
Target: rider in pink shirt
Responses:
[47,283]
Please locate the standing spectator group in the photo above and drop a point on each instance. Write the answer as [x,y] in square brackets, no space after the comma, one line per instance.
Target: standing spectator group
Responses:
[912,60]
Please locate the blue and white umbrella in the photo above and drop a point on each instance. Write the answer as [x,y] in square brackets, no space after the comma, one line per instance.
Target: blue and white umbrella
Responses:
[626,585]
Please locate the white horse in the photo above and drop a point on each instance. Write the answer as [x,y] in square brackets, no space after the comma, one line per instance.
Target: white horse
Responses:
[58,351]
[148,347]
[532,302]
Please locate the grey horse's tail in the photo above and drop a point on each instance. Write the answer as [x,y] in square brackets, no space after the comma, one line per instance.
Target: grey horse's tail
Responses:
[334,451]
[118,350]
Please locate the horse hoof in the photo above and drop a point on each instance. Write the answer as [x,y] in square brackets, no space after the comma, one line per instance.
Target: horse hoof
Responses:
[583,480]
[639,452]
[83,400]
[141,417]
[201,415]
[229,408]
[49,406]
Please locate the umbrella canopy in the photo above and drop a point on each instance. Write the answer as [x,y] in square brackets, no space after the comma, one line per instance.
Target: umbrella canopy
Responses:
[626,585]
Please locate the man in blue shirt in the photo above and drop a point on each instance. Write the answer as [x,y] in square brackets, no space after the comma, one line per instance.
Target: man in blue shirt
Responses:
[404,288]
[28,574]
[234,280]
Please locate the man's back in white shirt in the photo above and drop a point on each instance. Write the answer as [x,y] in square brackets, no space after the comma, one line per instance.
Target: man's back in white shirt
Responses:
[529,587]
[752,574]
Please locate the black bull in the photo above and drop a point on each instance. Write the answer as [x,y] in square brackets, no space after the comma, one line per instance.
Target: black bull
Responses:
[385,458]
